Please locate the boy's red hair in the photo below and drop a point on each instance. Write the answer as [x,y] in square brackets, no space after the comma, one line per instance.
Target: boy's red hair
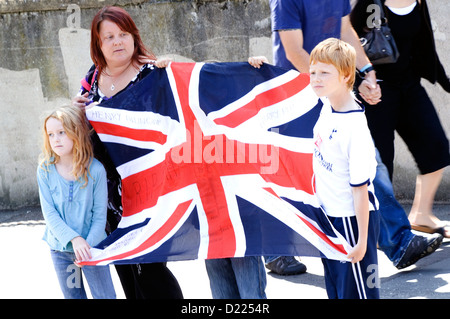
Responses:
[338,53]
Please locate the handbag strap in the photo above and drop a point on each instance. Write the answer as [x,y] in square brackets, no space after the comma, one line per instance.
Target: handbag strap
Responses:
[383,18]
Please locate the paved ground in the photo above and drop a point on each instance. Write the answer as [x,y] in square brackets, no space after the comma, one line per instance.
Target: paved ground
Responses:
[26,271]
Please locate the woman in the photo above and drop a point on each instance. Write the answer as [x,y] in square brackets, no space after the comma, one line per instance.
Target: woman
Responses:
[406,107]
[121,60]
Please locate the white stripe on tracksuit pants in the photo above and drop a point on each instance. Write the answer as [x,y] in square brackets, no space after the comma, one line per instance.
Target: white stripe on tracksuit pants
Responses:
[345,280]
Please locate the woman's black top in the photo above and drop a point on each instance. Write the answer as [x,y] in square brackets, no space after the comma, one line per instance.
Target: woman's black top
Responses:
[414,37]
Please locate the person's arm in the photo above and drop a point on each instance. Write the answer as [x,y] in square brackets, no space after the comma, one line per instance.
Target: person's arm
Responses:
[349,35]
[361,205]
[99,208]
[369,88]
[292,41]
[53,219]
[81,100]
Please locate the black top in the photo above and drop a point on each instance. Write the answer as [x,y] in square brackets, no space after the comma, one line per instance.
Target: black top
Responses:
[420,54]
[405,30]
[90,84]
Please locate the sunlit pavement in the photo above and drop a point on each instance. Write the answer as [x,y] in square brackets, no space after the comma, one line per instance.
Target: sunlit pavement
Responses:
[26,270]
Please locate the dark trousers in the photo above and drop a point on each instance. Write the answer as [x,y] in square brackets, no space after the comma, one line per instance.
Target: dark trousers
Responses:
[344,280]
[148,281]
[408,110]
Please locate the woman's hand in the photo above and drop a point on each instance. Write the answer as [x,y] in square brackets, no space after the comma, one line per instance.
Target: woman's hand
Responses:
[369,89]
[81,249]
[163,62]
[257,61]
[81,101]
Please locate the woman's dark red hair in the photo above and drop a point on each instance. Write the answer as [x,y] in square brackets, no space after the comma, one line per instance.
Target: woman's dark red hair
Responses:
[124,21]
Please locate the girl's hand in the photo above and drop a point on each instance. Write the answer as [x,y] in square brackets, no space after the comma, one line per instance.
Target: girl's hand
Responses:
[81,249]
[163,62]
[257,61]
[81,101]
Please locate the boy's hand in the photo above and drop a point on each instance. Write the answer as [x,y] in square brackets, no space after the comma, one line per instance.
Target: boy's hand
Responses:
[369,89]
[358,252]
[257,61]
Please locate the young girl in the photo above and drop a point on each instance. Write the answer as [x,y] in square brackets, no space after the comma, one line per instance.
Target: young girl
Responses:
[73,196]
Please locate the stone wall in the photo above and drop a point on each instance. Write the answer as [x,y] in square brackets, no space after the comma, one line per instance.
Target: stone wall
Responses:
[44,52]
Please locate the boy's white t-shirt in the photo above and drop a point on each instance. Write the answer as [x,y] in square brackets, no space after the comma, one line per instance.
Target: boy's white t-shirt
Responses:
[344,157]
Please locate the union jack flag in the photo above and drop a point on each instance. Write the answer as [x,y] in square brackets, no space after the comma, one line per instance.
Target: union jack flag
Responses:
[216,162]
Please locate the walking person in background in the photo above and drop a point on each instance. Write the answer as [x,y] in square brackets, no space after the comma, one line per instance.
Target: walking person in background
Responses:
[120,61]
[73,196]
[298,26]
[406,107]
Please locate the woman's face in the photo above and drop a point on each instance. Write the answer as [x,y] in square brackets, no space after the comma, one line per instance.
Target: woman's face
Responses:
[117,45]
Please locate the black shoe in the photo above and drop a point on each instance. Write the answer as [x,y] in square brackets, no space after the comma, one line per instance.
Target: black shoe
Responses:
[286,266]
[419,247]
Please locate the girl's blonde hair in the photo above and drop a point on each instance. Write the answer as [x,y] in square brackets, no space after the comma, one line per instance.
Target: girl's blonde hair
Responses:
[77,129]
[338,53]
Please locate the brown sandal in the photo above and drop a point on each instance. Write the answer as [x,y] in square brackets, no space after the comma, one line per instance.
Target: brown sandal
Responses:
[430,230]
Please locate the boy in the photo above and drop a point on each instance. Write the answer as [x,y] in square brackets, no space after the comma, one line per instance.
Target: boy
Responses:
[344,166]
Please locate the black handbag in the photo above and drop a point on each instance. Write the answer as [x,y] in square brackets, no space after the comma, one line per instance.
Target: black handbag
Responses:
[378,43]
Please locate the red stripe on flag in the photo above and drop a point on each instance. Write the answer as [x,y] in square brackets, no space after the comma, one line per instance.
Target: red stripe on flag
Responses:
[141,190]
[134,134]
[263,100]
[222,239]
[157,236]
[294,170]
[271,191]
[339,248]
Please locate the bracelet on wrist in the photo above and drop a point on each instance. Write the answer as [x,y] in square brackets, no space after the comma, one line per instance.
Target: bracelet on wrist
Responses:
[363,72]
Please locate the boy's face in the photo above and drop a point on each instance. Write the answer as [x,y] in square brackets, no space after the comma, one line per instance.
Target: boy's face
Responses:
[326,80]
